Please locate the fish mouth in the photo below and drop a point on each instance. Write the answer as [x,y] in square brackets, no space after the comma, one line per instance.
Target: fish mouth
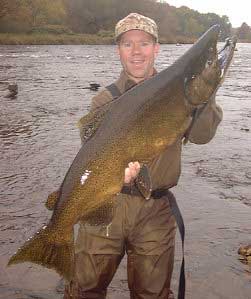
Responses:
[225,55]
[200,85]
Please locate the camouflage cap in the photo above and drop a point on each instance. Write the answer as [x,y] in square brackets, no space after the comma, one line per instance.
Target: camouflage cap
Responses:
[136,21]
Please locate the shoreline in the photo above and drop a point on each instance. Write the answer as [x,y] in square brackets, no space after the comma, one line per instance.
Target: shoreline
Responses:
[77,39]
[54,39]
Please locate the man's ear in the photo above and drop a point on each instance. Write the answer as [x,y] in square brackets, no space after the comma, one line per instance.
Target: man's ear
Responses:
[156,50]
[117,49]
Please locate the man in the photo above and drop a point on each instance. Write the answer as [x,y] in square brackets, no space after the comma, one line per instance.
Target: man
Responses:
[144,229]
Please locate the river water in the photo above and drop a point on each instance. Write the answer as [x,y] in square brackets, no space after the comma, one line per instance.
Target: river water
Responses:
[39,137]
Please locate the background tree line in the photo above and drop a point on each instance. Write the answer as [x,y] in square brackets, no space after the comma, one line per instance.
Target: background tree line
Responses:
[100,17]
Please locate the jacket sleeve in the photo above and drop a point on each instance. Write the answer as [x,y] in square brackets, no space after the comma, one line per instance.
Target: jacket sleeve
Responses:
[205,122]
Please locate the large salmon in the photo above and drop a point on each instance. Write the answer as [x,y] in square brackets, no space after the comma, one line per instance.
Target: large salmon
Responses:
[136,127]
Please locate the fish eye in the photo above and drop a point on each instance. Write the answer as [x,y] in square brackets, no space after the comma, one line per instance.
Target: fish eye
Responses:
[208,63]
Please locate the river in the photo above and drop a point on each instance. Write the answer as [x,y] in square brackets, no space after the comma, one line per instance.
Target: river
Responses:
[39,139]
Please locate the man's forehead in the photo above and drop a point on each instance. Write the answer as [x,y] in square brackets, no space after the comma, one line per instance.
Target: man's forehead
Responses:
[136,35]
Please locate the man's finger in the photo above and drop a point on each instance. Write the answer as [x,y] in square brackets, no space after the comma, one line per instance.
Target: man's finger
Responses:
[127,175]
[134,165]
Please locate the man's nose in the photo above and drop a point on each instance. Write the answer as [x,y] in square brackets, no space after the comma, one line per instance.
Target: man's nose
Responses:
[136,48]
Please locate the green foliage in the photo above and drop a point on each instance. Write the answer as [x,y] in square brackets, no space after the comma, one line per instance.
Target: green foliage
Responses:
[51,29]
[67,17]
[32,13]
[244,32]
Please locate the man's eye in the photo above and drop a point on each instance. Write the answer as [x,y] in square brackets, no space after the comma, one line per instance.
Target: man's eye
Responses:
[126,44]
[145,44]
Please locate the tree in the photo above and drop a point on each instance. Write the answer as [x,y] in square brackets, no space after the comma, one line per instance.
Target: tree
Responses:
[38,10]
[92,16]
[7,8]
[244,32]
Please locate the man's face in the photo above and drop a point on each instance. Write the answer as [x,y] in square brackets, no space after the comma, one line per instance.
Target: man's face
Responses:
[137,50]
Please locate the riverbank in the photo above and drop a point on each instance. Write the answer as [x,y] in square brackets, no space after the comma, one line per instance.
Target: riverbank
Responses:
[102,38]
[79,39]
[54,39]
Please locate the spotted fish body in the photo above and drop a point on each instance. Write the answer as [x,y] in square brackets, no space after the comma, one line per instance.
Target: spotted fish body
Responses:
[136,127]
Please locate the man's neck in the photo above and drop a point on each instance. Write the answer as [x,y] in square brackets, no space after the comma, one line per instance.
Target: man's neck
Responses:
[138,80]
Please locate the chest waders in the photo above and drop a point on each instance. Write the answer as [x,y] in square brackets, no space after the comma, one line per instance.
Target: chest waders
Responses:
[157,194]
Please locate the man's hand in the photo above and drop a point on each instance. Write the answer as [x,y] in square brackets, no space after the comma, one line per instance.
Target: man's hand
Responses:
[131,172]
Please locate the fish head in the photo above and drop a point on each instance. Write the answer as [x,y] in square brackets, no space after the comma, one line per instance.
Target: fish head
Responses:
[207,69]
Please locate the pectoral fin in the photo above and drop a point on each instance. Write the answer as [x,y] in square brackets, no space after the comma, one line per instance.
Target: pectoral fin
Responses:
[52,199]
[89,123]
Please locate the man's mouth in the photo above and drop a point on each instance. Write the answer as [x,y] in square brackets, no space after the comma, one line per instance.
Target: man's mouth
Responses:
[137,62]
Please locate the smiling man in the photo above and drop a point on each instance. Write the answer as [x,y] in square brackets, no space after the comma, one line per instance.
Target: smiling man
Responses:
[137,50]
[143,227]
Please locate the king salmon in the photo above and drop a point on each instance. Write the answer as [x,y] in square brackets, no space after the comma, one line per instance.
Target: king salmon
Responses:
[137,126]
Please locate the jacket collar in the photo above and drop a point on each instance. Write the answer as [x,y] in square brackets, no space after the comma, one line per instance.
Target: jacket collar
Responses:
[125,83]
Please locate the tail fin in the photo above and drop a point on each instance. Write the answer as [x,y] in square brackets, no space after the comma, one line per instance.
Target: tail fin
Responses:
[41,250]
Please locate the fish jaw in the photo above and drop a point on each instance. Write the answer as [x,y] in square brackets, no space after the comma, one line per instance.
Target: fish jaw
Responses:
[225,55]
[200,86]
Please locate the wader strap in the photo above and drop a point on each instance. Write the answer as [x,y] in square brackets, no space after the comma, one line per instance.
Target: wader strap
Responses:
[179,220]
[168,195]
[114,91]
